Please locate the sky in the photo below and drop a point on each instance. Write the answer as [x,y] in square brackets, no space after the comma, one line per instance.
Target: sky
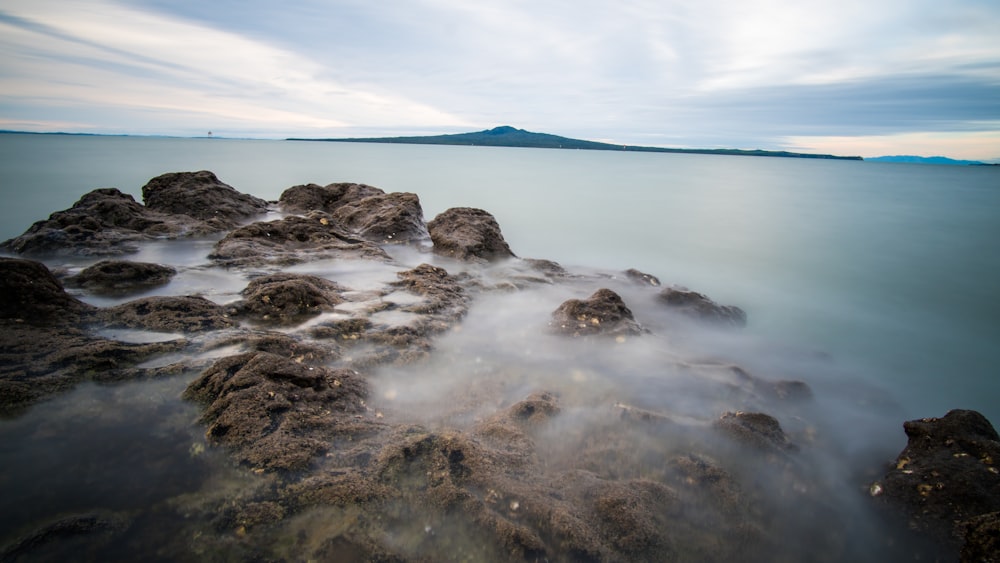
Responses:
[847,77]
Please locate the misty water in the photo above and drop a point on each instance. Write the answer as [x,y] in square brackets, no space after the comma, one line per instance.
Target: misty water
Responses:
[876,284]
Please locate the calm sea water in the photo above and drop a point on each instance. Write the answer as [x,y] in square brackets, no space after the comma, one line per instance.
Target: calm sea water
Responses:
[891,268]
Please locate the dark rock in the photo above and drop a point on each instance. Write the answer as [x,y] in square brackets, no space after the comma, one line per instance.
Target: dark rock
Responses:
[31,294]
[642,278]
[292,240]
[169,314]
[759,430]
[276,414]
[103,222]
[284,298]
[982,539]
[384,218]
[603,313]
[313,197]
[468,234]
[700,307]
[947,475]
[201,195]
[121,276]
[62,538]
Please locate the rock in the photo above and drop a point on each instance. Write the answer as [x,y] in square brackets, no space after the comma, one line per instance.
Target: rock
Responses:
[275,414]
[313,197]
[168,314]
[642,278]
[982,539]
[698,306]
[287,299]
[762,431]
[60,539]
[121,276]
[947,476]
[468,234]
[31,294]
[603,313]
[201,195]
[383,218]
[103,222]
[292,240]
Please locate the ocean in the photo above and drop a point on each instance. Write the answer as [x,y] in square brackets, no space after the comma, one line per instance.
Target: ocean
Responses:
[876,283]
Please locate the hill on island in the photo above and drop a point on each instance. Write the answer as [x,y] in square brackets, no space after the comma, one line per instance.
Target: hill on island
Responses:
[506,136]
[926,160]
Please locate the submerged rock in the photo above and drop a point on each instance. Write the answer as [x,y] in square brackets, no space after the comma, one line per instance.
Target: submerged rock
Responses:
[203,196]
[313,197]
[698,306]
[603,313]
[121,276]
[169,314]
[755,429]
[292,240]
[947,478]
[642,278]
[468,234]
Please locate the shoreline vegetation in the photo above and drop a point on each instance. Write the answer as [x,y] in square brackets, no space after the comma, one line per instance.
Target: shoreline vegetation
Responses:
[507,136]
[459,403]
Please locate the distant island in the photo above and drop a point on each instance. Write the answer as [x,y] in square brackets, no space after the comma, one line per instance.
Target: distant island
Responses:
[506,136]
[928,160]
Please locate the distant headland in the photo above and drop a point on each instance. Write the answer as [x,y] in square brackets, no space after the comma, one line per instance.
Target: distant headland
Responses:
[506,136]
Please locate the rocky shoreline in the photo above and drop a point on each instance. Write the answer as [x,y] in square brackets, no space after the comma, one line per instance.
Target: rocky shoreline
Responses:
[291,379]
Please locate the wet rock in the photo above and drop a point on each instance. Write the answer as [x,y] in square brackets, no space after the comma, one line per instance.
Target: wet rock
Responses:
[468,234]
[313,197]
[982,539]
[275,414]
[73,537]
[384,218]
[121,276]
[698,306]
[642,278]
[444,297]
[103,222]
[762,431]
[947,475]
[203,196]
[285,298]
[603,313]
[31,294]
[292,240]
[169,314]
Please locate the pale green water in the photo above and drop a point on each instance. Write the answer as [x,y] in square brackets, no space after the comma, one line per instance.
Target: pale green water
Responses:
[893,269]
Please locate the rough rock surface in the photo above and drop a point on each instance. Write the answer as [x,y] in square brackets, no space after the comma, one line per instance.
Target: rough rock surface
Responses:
[384,218]
[642,278]
[292,240]
[31,294]
[313,197]
[698,306]
[468,234]
[203,196]
[285,298]
[755,429]
[603,313]
[276,414]
[103,222]
[947,478]
[121,276]
[168,314]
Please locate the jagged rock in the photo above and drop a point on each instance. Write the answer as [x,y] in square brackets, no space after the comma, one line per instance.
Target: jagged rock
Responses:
[383,218]
[31,294]
[169,314]
[700,307]
[755,429]
[203,196]
[103,222]
[285,298]
[121,276]
[642,278]
[468,234]
[292,240]
[273,413]
[947,476]
[313,197]
[603,313]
